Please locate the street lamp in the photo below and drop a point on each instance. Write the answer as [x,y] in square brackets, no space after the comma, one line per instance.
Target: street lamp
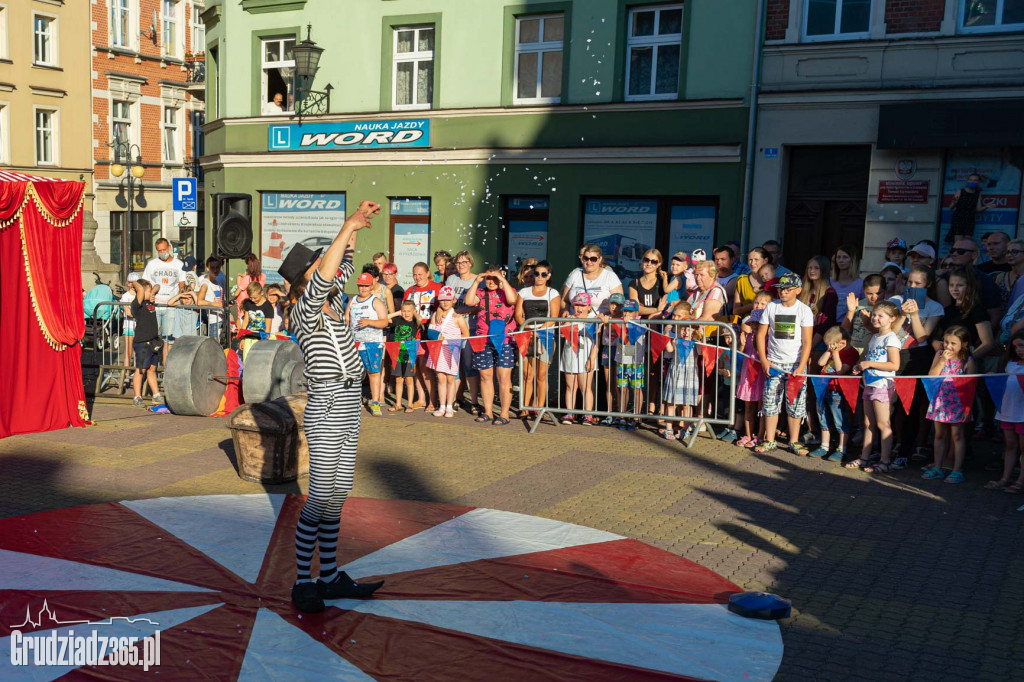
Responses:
[307,63]
[135,171]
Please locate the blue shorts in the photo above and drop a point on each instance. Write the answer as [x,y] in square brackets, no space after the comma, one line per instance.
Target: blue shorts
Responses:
[371,361]
[147,353]
[489,357]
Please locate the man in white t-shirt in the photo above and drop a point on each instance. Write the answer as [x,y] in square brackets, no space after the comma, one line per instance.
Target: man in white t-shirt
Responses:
[167,274]
[784,347]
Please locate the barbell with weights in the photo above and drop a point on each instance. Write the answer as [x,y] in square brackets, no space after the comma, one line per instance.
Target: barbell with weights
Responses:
[195,375]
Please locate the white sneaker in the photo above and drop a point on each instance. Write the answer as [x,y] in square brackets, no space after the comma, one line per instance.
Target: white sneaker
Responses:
[158,399]
[449,411]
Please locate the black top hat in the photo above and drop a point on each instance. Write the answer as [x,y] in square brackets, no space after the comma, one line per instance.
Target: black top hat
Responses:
[298,260]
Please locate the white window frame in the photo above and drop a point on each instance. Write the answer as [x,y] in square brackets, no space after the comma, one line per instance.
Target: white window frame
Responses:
[995,28]
[539,48]
[5,50]
[54,135]
[655,41]
[115,120]
[117,7]
[280,64]
[165,127]
[197,39]
[416,57]
[53,33]
[173,21]
[835,35]
[5,136]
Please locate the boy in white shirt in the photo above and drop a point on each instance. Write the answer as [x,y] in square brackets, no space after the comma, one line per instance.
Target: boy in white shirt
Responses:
[784,347]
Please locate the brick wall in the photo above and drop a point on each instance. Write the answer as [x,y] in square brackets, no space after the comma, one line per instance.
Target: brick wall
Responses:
[777,19]
[913,16]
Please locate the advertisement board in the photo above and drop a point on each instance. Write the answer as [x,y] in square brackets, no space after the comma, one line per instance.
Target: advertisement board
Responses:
[527,220]
[691,227]
[349,135]
[1000,174]
[289,218]
[410,239]
[624,229]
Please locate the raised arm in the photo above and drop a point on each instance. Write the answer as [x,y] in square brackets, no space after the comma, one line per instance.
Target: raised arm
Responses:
[346,239]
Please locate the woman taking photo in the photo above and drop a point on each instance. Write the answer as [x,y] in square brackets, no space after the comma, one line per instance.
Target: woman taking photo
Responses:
[592,278]
[748,286]
[538,300]
[822,299]
[845,279]
[497,302]
[648,289]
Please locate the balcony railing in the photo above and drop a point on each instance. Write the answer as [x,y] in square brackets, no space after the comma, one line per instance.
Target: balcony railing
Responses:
[196,73]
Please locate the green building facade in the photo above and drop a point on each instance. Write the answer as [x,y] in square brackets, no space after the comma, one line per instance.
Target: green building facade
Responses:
[505,128]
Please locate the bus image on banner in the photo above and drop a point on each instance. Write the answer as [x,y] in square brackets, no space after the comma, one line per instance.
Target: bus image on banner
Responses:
[624,229]
[290,218]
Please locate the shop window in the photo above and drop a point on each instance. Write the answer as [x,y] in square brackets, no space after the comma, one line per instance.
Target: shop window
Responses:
[525,220]
[538,66]
[413,78]
[410,235]
[833,19]
[278,68]
[653,49]
[44,44]
[121,23]
[991,15]
[144,233]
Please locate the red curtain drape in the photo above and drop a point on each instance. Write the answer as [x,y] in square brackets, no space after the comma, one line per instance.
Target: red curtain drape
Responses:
[41,318]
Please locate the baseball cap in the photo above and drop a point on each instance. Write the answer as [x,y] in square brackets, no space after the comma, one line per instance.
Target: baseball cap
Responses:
[923,249]
[365,279]
[617,298]
[699,255]
[582,298]
[681,256]
[896,243]
[133,277]
[631,305]
[790,280]
[446,294]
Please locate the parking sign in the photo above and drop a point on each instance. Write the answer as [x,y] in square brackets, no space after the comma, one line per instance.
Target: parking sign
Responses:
[184,194]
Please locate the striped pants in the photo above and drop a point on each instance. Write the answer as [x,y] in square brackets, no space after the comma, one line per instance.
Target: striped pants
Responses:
[333,413]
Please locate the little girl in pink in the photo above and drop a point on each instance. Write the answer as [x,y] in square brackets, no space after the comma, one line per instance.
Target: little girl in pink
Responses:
[447,326]
[751,385]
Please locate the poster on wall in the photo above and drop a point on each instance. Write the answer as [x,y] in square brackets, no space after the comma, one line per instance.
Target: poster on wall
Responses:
[527,230]
[290,218]
[411,240]
[624,229]
[690,228]
[999,177]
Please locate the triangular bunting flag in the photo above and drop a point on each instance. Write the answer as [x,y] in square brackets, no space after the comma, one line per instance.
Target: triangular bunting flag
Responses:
[1020,381]
[965,388]
[793,385]
[616,329]
[496,334]
[412,346]
[753,370]
[850,387]
[571,334]
[433,334]
[683,349]
[635,332]
[478,343]
[905,390]
[658,343]
[547,338]
[931,386]
[820,385]
[359,345]
[522,340]
[710,355]
[996,384]
[393,348]
[434,349]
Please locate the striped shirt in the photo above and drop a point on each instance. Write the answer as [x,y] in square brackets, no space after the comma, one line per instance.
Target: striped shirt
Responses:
[310,324]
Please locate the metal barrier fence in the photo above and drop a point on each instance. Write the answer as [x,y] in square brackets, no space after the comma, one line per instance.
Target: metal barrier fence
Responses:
[109,350]
[683,366]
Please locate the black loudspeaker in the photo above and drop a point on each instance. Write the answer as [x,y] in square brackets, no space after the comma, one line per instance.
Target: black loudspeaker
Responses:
[232,235]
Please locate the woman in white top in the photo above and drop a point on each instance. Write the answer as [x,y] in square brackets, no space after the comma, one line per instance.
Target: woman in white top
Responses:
[594,278]
[538,300]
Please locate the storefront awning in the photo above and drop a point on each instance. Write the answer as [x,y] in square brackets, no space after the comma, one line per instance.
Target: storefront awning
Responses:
[975,123]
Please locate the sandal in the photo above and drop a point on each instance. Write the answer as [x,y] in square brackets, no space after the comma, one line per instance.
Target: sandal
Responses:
[482,418]
[798,449]
[856,464]
[933,473]
[409,410]
[955,477]
[1014,488]
[879,468]
[669,434]
[997,485]
[744,442]
[416,406]
[396,408]
[499,421]
[766,447]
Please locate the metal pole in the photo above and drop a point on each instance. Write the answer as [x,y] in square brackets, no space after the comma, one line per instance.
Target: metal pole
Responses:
[755,86]
[131,209]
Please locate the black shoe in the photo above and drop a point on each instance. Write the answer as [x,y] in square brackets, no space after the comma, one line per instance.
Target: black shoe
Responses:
[343,587]
[306,598]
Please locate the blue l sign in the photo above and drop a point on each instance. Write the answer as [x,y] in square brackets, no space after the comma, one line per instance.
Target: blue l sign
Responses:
[184,193]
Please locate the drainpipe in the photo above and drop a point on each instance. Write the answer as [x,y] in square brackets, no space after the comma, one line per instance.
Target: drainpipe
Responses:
[755,86]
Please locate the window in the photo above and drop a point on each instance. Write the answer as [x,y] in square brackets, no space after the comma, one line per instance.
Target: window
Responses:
[5,156]
[145,231]
[170,134]
[989,15]
[837,19]
[44,48]
[278,69]
[4,50]
[653,49]
[169,40]
[198,31]
[538,71]
[413,80]
[120,23]
[46,137]
[121,121]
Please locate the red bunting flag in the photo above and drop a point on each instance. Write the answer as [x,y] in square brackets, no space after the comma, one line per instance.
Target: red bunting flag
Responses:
[393,348]
[658,344]
[905,390]
[571,334]
[522,340]
[477,343]
[434,348]
[753,369]
[710,355]
[793,385]
[359,344]
[850,387]
[617,330]
[965,387]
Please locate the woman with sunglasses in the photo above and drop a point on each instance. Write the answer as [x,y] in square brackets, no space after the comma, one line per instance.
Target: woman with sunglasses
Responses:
[1006,281]
[525,276]
[594,278]
[537,300]
[648,289]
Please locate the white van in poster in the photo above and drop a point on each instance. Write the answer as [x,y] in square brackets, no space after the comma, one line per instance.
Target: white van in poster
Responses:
[624,229]
[290,218]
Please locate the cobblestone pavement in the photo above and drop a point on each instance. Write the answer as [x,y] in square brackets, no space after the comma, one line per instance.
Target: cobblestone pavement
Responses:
[891,577]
